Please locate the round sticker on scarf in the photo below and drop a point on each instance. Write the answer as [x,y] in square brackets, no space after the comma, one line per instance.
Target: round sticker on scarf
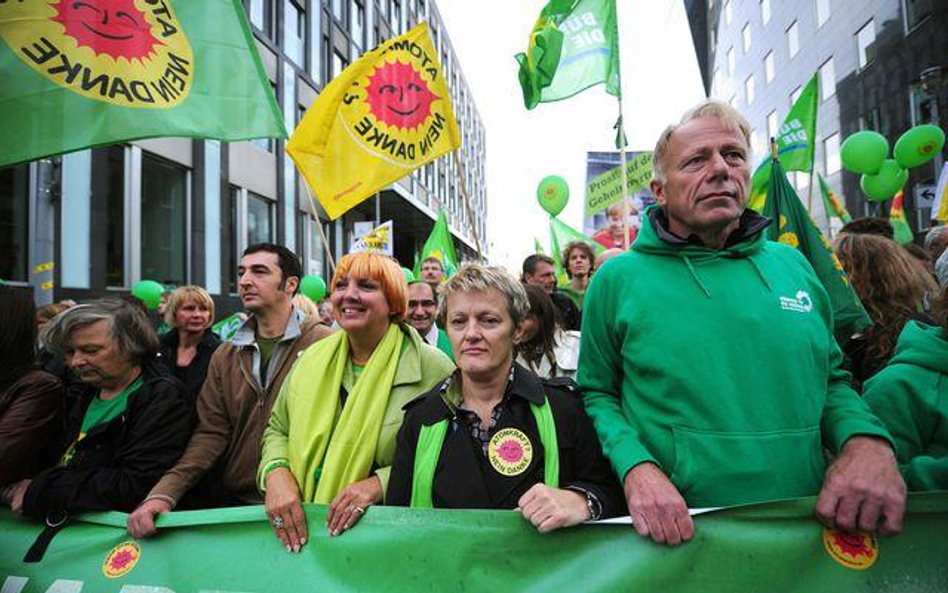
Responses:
[510,452]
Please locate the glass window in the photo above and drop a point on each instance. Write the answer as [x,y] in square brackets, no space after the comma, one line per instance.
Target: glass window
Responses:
[746,37]
[397,16]
[265,143]
[164,221]
[727,12]
[749,89]
[730,61]
[765,11]
[233,245]
[827,80]
[772,124]
[383,8]
[822,12]
[115,216]
[793,39]
[15,223]
[872,120]
[795,95]
[770,70]
[916,11]
[358,24]
[339,63]
[831,160]
[294,33]
[924,106]
[733,101]
[339,10]
[259,219]
[263,15]
[865,43]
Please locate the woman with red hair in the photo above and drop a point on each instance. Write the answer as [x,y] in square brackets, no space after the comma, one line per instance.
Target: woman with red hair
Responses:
[331,437]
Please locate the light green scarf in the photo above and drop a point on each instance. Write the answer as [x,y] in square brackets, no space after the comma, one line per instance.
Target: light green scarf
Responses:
[345,453]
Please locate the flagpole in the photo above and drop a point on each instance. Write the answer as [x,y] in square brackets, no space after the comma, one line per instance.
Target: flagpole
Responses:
[467,201]
[775,157]
[319,226]
[625,180]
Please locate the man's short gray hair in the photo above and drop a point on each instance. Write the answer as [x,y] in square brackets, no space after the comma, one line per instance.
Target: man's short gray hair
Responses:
[933,235]
[478,278]
[131,331]
[707,108]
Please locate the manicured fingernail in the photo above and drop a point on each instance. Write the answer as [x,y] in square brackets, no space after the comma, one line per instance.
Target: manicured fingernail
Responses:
[288,548]
[296,549]
[303,541]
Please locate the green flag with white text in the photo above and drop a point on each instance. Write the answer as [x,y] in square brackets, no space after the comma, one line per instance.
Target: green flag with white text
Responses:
[440,246]
[796,142]
[574,45]
[792,225]
[82,74]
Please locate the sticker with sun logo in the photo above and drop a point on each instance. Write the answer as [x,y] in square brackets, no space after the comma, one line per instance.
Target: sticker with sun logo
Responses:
[858,551]
[121,559]
[132,53]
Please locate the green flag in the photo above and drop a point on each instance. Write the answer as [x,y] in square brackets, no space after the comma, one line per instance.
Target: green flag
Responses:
[832,203]
[168,68]
[573,45]
[796,142]
[561,234]
[793,226]
[440,246]
[903,232]
[227,328]
[537,248]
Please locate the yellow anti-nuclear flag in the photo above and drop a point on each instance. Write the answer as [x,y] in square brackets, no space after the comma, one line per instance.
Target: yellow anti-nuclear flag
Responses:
[382,117]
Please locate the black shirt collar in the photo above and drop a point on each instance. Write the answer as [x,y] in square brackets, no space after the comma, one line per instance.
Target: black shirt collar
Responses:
[749,225]
[522,383]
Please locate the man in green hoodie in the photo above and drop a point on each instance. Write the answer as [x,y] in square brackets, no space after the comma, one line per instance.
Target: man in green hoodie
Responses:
[708,363]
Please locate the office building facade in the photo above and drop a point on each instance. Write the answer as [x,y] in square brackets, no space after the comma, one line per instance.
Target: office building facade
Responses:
[882,65]
[180,211]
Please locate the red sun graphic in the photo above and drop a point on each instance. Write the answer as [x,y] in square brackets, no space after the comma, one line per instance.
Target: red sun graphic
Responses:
[122,559]
[398,96]
[510,451]
[853,544]
[114,27]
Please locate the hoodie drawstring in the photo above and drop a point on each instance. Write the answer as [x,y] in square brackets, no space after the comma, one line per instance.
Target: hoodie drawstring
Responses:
[760,273]
[694,274]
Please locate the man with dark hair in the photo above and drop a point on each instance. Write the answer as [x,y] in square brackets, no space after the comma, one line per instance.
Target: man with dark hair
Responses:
[539,270]
[243,380]
[422,311]
[869,226]
[432,272]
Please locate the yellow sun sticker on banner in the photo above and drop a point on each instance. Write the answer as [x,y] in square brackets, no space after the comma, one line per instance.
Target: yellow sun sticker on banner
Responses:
[858,551]
[132,53]
[121,559]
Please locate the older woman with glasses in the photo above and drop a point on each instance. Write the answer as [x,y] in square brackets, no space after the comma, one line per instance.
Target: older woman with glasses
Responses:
[494,435]
[331,437]
[125,420]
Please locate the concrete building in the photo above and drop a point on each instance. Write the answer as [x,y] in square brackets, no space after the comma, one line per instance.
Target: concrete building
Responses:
[180,211]
[882,65]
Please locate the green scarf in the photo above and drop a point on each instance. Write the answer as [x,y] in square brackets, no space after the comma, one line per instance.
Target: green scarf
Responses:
[345,453]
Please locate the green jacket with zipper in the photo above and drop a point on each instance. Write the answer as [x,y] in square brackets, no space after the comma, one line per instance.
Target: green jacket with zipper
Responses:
[719,366]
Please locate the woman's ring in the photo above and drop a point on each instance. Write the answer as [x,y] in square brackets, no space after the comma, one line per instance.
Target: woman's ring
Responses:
[358,509]
[278,522]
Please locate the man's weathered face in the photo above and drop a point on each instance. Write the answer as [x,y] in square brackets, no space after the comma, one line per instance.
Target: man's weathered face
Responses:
[432,272]
[707,175]
[543,276]
[422,307]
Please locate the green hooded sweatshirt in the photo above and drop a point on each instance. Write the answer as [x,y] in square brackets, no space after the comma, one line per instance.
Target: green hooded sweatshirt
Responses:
[910,396]
[719,366]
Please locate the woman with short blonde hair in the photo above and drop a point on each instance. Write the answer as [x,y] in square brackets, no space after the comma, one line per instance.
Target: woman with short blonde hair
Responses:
[187,348]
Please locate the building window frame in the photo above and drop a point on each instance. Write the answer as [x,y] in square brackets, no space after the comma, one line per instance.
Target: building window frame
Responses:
[865,51]
[827,72]
[793,39]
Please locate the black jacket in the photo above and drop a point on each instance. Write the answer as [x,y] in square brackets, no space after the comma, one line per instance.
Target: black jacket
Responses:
[192,375]
[465,479]
[117,463]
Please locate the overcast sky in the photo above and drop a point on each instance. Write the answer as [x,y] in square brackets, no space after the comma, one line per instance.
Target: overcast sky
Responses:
[660,80]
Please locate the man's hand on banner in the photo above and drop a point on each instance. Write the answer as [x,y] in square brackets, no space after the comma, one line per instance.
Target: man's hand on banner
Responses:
[656,507]
[863,489]
[350,504]
[284,509]
[13,495]
[141,523]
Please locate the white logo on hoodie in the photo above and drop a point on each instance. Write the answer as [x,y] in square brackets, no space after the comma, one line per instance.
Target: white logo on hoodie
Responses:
[800,303]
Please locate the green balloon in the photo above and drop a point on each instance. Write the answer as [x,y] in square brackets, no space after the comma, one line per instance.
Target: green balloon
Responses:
[148,292]
[409,275]
[314,287]
[919,145]
[884,184]
[863,152]
[553,193]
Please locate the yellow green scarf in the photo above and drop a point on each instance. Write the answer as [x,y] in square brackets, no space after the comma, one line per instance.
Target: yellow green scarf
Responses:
[345,453]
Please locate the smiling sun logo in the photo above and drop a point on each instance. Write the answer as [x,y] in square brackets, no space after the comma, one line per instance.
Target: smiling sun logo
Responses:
[398,96]
[132,53]
[858,551]
[121,559]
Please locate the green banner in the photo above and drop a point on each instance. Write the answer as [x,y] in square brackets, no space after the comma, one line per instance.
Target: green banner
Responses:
[227,328]
[605,189]
[440,245]
[775,546]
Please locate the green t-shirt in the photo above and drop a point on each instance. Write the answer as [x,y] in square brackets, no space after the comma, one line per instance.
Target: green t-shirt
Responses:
[266,346]
[101,412]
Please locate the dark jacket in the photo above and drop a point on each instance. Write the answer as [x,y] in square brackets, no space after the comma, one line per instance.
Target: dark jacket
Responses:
[570,316]
[29,409]
[464,477]
[116,463]
[192,375]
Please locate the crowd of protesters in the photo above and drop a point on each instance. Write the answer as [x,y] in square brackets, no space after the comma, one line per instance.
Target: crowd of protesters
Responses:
[688,371]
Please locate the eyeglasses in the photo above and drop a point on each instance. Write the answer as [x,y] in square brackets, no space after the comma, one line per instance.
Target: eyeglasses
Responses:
[424,304]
